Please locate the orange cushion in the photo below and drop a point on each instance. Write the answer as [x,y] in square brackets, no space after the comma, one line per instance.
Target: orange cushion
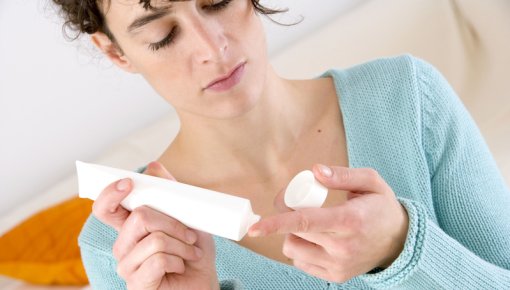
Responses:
[44,248]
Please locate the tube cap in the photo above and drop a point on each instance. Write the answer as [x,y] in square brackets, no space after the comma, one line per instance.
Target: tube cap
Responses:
[305,191]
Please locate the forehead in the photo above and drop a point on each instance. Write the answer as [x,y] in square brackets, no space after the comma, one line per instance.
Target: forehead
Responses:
[145,4]
[120,13]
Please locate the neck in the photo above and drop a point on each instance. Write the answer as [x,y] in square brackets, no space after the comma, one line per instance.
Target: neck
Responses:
[260,142]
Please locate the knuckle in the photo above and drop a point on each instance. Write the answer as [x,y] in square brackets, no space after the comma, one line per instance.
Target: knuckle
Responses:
[373,176]
[349,220]
[303,224]
[157,242]
[175,226]
[287,249]
[167,264]
[122,271]
[139,216]
[354,219]
[116,250]
[176,229]
[344,175]
[159,262]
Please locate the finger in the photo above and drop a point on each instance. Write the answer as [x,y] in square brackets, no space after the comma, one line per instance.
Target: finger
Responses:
[351,179]
[312,269]
[107,206]
[150,274]
[154,243]
[205,243]
[297,248]
[325,240]
[300,221]
[143,221]
[157,169]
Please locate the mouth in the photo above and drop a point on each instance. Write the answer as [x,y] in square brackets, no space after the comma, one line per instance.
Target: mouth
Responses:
[227,81]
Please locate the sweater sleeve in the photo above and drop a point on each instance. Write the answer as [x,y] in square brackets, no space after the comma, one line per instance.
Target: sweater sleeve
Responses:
[469,245]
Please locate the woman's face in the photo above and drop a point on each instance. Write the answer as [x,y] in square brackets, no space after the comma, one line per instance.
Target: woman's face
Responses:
[183,49]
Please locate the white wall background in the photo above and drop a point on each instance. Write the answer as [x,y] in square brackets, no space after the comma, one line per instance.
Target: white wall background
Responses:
[62,101]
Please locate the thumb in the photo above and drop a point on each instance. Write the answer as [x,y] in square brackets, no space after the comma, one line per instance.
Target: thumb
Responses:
[358,180]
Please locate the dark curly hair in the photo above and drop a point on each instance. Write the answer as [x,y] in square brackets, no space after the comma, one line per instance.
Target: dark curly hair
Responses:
[86,16]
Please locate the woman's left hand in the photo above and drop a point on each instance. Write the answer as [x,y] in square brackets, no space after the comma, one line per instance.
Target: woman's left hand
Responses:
[340,242]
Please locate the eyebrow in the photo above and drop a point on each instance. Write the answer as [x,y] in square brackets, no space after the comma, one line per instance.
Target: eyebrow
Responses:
[156,14]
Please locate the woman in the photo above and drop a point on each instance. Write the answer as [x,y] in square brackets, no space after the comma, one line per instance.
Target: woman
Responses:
[415,198]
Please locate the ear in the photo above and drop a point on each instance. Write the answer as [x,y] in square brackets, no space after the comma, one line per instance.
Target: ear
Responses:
[112,51]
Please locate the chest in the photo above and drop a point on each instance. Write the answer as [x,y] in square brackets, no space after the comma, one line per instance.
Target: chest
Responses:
[268,201]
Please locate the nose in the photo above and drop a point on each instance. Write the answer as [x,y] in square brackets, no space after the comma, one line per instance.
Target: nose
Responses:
[210,43]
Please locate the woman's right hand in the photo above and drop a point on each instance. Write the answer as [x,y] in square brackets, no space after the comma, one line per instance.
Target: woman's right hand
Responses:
[153,250]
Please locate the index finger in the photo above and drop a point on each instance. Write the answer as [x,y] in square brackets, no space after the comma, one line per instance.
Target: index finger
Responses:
[307,220]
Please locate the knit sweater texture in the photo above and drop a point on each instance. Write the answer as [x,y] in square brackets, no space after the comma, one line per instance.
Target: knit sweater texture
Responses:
[403,119]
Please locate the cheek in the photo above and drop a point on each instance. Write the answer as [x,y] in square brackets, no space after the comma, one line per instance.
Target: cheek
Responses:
[253,30]
[169,77]
[250,40]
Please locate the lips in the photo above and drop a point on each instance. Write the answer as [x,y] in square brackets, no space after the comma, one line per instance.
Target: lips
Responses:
[227,81]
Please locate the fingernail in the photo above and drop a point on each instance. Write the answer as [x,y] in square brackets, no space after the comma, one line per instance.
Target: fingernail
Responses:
[191,237]
[325,171]
[198,252]
[123,184]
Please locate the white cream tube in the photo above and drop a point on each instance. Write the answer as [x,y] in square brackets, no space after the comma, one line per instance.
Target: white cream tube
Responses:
[206,210]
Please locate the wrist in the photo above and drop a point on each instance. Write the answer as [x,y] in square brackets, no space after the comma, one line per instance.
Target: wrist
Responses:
[397,245]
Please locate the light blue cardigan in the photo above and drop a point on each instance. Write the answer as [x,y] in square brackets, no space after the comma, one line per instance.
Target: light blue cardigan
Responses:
[403,119]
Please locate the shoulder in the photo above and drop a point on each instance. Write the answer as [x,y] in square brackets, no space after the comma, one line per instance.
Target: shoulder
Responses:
[387,84]
[381,88]
[399,72]
[400,65]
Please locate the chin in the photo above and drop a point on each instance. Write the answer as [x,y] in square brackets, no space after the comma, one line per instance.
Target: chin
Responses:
[235,106]
[238,102]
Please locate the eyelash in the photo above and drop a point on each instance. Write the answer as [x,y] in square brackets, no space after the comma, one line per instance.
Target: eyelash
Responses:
[171,36]
[165,41]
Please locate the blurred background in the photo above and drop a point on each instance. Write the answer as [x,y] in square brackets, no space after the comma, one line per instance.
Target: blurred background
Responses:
[61,101]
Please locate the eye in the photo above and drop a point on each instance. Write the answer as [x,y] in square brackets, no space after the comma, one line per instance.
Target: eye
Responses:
[165,41]
[218,6]
[171,36]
